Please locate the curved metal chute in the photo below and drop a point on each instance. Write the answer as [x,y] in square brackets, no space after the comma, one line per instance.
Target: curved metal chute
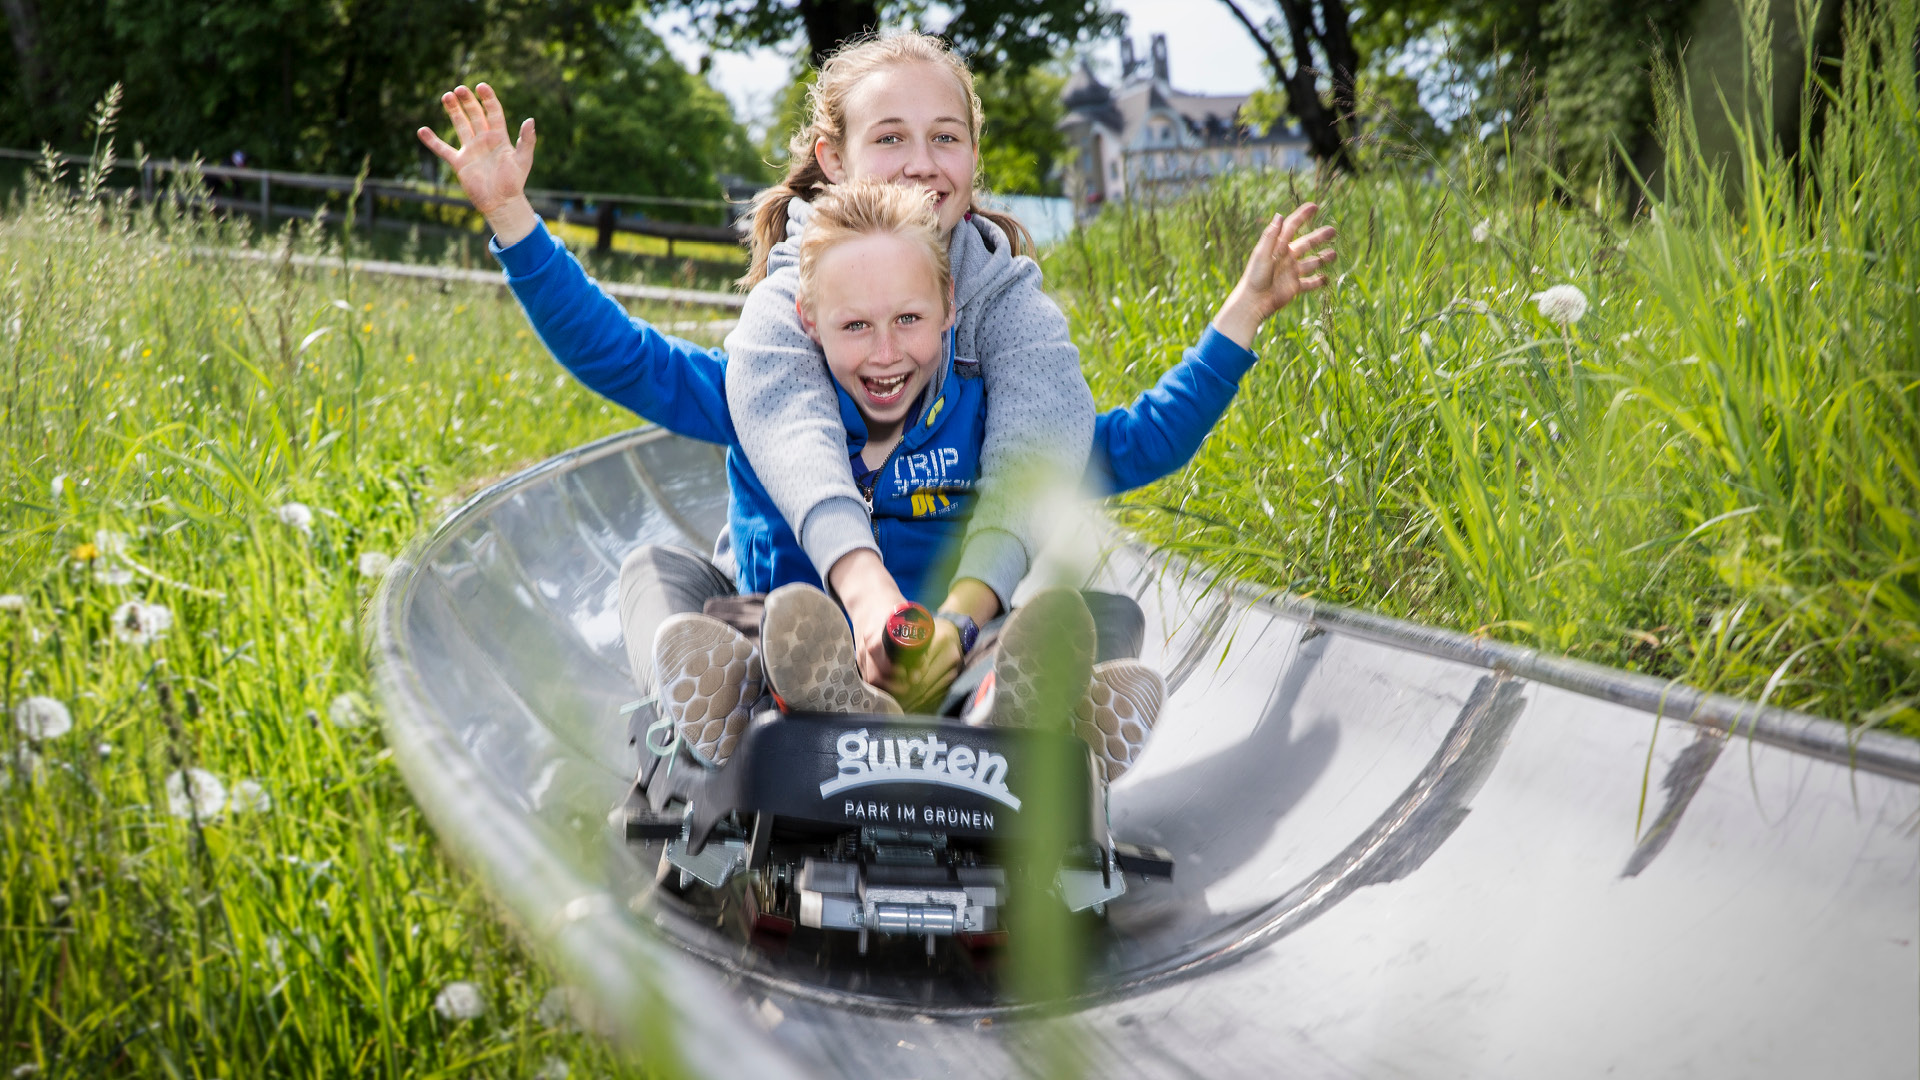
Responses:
[1399,850]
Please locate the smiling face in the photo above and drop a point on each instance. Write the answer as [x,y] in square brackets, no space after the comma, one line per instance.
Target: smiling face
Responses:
[908,124]
[881,317]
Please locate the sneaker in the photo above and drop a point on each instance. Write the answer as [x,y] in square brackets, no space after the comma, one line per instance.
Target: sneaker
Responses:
[709,677]
[1123,700]
[1042,665]
[808,648]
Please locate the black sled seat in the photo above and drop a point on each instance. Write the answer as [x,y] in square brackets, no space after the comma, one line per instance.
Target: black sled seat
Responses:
[884,824]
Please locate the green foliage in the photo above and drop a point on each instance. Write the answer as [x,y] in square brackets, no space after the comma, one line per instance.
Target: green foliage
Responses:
[990,33]
[161,409]
[1713,475]
[1020,150]
[328,87]
[622,115]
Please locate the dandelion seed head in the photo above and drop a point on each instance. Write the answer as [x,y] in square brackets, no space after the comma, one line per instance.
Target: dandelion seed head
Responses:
[110,573]
[59,485]
[344,712]
[248,797]
[137,623]
[1562,304]
[295,515]
[13,602]
[1482,230]
[42,718]
[195,793]
[552,1069]
[460,1001]
[15,327]
[375,564]
[109,542]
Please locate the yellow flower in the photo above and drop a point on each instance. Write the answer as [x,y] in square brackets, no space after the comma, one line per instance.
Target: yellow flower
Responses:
[369,306]
[144,353]
[366,328]
[86,553]
[409,358]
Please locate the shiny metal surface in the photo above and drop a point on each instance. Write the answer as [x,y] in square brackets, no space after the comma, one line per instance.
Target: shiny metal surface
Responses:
[1399,851]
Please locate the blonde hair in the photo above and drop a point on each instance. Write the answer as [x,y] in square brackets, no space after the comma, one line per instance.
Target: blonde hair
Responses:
[872,207]
[827,102]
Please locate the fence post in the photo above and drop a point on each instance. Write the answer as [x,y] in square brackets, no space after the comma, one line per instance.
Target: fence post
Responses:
[266,201]
[146,181]
[603,221]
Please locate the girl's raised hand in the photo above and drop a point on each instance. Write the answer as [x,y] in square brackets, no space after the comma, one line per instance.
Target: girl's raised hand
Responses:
[1283,265]
[492,168]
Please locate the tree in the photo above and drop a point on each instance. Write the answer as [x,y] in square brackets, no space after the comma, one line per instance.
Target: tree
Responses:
[326,87]
[990,33]
[1320,36]
[1022,145]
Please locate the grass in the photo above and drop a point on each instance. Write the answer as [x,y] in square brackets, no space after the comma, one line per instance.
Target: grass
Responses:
[1712,476]
[162,414]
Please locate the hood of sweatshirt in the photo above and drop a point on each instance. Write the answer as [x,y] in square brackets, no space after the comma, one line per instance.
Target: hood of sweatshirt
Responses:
[981,255]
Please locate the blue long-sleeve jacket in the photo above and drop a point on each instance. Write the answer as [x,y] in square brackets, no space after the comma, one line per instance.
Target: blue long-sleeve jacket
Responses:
[924,491]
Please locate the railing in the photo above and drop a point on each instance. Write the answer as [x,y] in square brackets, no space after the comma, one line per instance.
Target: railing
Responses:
[550,204]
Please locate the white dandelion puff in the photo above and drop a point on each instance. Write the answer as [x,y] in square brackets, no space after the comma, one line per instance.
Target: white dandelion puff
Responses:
[460,1001]
[108,572]
[553,1069]
[136,623]
[375,564]
[560,1007]
[59,485]
[42,718]
[25,765]
[295,515]
[1482,230]
[195,793]
[110,542]
[13,602]
[1562,304]
[248,797]
[15,328]
[344,712]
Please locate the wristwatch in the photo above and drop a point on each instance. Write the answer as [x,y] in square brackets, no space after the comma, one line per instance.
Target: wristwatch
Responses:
[969,630]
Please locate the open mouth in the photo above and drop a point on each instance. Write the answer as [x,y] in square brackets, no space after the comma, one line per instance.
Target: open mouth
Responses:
[887,391]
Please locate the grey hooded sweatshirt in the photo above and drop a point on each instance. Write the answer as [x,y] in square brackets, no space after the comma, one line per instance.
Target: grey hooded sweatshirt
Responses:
[1039,409]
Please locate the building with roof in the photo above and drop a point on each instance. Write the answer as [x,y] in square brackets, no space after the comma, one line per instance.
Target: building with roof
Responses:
[1147,140]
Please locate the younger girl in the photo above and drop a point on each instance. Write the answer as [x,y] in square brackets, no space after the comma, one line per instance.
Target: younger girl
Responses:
[902,109]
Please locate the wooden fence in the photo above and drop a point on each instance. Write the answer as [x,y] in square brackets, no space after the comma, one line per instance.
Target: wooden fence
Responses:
[563,206]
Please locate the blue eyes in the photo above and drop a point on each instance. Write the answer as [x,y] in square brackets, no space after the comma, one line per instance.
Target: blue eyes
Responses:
[858,325]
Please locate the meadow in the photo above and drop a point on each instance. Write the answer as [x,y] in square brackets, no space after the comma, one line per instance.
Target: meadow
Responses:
[1679,437]
[211,866]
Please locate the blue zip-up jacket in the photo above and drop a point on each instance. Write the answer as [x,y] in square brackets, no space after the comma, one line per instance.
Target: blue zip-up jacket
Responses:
[922,493]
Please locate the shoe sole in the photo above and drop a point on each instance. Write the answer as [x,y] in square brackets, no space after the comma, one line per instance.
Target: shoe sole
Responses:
[808,649]
[709,676]
[1123,701]
[1044,661]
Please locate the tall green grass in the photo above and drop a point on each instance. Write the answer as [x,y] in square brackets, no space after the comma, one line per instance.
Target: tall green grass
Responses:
[1712,475]
[163,411]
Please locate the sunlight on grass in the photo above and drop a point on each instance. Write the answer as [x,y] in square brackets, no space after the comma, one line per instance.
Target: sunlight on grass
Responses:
[211,865]
[1686,442]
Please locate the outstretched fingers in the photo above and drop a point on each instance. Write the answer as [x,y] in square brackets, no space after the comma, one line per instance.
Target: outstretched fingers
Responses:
[438,145]
[527,138]
[1301,216]
[462,126]
[490,108]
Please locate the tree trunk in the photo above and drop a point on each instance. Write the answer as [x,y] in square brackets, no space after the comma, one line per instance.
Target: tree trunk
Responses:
[23,25]
[1320,125]
[1343,59]
[830,22]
